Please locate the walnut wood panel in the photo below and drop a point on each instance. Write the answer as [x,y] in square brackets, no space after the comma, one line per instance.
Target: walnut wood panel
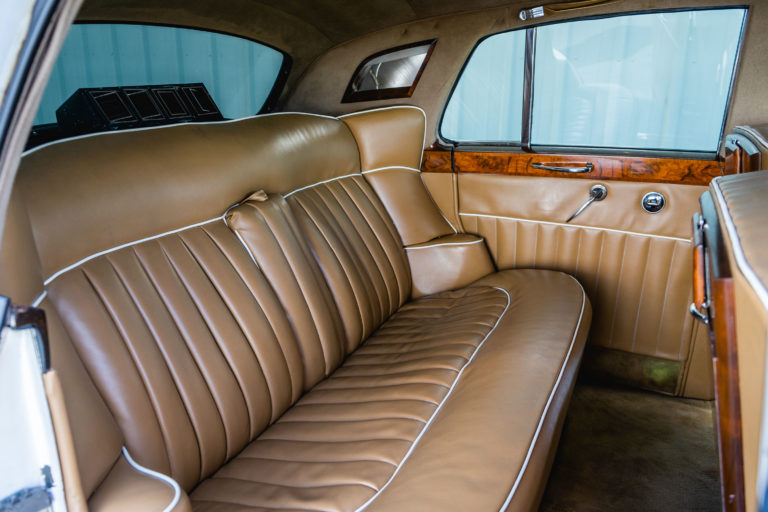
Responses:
[722,323]
[626,168]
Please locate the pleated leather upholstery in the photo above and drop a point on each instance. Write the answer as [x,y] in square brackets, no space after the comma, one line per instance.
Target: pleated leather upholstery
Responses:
[273,239]
[358,249]
[342,442]
[188,344]
[638,284]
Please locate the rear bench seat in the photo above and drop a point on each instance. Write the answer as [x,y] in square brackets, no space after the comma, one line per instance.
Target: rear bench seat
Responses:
[327,343]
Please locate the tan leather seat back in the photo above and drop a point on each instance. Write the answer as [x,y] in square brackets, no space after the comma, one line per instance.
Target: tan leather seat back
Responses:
[358,249]
[273,238]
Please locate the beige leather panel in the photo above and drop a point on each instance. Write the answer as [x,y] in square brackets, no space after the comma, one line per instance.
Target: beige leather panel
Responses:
[276,243]
[393,136]
[414,213]
[555,199]
[126,490]
[741,205]
[109,189]
[188,345]
[441,187]
[358,249]
[447,263]
[639,285]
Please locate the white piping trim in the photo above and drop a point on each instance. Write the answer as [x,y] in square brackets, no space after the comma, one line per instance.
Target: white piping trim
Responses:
[39,299]
[437,410]
[754,133]
[762,294]
[320,183]
[164,126]
[159,476]
[577,226]
[549,402]
[395,107]
[412,248]
[123,246]
[398,167]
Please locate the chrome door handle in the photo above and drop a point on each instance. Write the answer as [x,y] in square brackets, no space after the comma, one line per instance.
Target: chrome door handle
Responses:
[596,193]
[587,167]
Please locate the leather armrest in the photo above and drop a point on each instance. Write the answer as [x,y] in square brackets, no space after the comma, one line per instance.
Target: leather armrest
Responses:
[447,263]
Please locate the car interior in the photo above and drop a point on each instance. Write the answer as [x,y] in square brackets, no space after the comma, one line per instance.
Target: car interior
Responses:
[386,255]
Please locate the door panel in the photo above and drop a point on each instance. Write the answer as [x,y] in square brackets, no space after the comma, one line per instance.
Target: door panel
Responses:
[635,266]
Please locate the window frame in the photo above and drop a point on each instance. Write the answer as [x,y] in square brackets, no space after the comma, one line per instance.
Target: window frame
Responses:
[525,145]
[282,75]
[352,96]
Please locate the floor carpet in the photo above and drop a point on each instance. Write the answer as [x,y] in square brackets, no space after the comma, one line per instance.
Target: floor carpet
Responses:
[628,450]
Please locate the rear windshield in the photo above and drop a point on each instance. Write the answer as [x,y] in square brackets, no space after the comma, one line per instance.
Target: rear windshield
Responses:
[130,75]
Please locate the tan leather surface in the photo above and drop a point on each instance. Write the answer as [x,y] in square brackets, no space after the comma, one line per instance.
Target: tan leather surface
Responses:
[127,490]
[20,274]
[115,188]
[343,441]
[698,380]
[465,464]
[555,199]
[441,187]
[73,486]
[188,344]
[213,352]
[275,242]
[359,250]
[393,136]
[447,263]
[639,285]
[96,436]
[745,207]
[414,213]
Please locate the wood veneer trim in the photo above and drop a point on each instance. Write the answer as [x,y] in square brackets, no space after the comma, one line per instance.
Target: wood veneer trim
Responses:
[624,168]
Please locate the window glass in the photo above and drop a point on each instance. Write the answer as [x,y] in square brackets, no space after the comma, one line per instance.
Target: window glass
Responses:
[487,102]
[651,81]
[238,73]
[393,73]
[657,81]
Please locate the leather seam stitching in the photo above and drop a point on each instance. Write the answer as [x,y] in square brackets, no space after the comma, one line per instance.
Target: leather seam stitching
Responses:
[535,438]
[563,224]
[442,402]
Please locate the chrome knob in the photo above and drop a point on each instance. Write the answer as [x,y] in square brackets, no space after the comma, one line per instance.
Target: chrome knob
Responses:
[653,202]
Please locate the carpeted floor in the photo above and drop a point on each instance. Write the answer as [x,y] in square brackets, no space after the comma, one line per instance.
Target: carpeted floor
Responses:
[628,450]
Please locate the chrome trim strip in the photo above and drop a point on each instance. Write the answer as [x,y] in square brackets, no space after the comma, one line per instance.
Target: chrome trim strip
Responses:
[414,248]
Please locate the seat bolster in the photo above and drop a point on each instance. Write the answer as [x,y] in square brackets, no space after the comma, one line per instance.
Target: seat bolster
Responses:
[130,487]
[501,422]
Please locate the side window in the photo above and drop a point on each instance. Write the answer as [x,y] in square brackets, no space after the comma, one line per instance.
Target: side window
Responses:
[389,74]
[140,75]
[658,81]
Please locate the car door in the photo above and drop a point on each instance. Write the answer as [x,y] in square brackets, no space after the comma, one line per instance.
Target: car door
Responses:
[583,146]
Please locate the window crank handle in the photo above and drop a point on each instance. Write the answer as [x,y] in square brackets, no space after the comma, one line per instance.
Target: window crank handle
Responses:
[596,193]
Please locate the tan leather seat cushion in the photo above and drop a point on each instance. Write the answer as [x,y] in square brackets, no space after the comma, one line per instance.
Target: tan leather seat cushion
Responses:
[439,409]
